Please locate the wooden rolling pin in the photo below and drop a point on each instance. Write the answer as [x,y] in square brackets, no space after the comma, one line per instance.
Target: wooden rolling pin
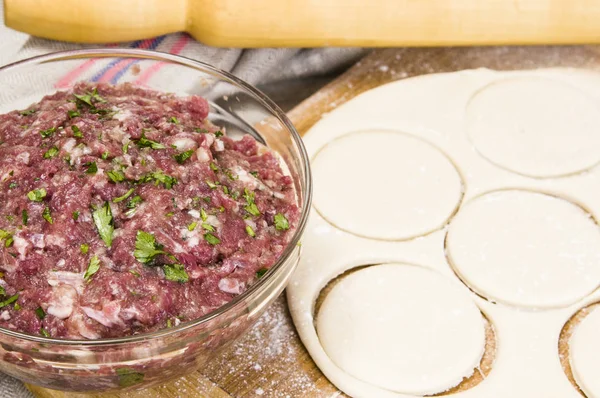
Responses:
[312,23]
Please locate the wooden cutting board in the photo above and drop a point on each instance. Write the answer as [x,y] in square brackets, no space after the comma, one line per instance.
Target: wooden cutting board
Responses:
[270,360]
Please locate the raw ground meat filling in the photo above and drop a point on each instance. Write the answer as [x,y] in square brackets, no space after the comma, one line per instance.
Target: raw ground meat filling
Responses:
[124,210]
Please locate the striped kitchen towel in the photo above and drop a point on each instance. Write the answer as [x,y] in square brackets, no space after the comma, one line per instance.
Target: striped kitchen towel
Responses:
[256,66]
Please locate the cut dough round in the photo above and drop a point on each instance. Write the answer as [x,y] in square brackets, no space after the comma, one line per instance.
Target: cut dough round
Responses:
[402,328]
[526,249]
[585,354]
[535,126]
[385,185]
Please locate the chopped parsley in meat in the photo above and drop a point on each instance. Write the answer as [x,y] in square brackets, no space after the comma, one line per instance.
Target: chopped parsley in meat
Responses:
[76,132]
[93,267]
[47,215]
[143,142]
[7,237]
[9,300]
[125,196]
[37,195]
[251,207]
[261,272]
[27,112]
[175,273]
[92,168]
[116,176]
[146,247]
[126,210]
[129,377]
[50,153]
[104,223]
[48,132]
[183,156]
[40,313]
[281,223]
[211,239]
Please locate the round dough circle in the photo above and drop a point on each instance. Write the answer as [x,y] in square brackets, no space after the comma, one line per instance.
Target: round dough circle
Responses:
[535,126]
[403,328]
[585,354]
[525,248]
[385,185]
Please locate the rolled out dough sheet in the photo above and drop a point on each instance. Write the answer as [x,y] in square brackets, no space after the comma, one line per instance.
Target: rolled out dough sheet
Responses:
[524,147]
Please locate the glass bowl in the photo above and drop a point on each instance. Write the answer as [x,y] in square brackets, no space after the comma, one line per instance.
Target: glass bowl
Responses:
[143,360]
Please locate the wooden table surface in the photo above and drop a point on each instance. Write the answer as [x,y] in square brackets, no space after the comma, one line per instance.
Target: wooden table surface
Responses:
[270,361]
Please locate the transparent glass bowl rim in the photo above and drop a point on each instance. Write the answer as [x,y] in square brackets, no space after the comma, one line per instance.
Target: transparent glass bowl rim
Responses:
[263,100]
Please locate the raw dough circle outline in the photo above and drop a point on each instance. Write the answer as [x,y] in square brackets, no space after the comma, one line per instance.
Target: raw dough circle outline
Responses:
[408,237]
[578,319]
[564,341]
[492,299]
[500,163]
[486,356]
